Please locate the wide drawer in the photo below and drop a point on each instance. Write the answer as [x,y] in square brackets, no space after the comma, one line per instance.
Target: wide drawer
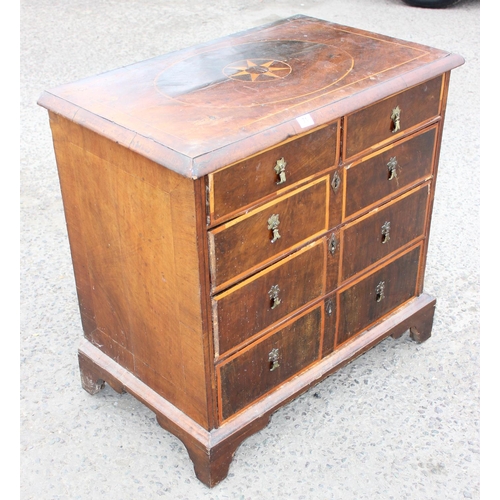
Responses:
[388,119]
[368,300]
[389,171]
[383,231]
[242,245]
[242,184]
[269,296]
[267,363]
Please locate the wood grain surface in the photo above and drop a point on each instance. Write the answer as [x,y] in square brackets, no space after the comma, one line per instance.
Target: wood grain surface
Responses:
[233,97]
[132,229]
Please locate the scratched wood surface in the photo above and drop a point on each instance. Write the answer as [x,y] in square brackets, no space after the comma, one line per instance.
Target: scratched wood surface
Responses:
[384,231]
[248,308]
[247,243]
[370,181]
[237,187]
[369,128]
[358,304]
[249,375]
[201,108]
[132,229]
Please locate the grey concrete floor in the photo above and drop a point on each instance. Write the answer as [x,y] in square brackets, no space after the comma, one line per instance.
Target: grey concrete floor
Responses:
[401,422]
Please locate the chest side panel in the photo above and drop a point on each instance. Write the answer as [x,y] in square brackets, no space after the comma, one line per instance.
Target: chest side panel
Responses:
[132,230]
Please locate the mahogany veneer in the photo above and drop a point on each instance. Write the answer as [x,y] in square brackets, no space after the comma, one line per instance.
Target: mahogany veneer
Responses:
[247,216]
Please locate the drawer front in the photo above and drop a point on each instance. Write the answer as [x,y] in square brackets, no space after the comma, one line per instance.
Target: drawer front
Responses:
[379,123]
[269,296]
[368,300]
[269,362]
[383,231]
[390,171]
[244,183]
[257,238]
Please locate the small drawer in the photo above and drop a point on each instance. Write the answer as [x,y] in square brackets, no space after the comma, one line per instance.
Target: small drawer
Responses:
[388,172]
[390,118]
[269,296]
[243,184]
[383,231]
[246,244]
[264,365]
[368,300]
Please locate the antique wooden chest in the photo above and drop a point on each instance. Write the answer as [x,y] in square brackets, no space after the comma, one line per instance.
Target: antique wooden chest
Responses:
[247,216]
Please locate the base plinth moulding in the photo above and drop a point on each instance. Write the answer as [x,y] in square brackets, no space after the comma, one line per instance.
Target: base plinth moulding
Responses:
[212,451]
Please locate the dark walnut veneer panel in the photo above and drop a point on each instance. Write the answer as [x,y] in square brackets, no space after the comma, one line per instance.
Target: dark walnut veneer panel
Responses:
[373,125]
[246,309]
[389,171]
[253,373]
[240,245]
[384,231]
[369,299]
[238,186]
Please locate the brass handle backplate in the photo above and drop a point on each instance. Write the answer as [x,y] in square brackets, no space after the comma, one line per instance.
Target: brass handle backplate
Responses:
[273,295]
[385,230]
[272,224]
[279,168]
[396,119]
[380,291]
[392,165]
[274,357]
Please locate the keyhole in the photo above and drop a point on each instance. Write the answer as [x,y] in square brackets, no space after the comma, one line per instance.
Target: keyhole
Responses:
[329,307]
[335,182]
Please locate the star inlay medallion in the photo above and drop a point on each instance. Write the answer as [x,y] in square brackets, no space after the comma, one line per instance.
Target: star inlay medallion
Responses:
[271,71]
[257,70]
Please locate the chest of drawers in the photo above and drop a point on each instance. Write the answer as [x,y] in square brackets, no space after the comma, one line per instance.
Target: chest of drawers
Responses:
[247,216]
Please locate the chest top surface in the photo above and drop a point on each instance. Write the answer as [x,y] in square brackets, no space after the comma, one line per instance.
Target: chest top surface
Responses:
[201,108]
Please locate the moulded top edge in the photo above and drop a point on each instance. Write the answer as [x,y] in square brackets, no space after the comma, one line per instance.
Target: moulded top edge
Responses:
[199,109]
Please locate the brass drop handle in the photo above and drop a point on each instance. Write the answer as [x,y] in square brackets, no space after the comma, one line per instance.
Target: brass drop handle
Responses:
[273,295]
[385,230]
[396,119]
[379,291]
[274,357]
[392,165]
[272,224]
[279,168]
